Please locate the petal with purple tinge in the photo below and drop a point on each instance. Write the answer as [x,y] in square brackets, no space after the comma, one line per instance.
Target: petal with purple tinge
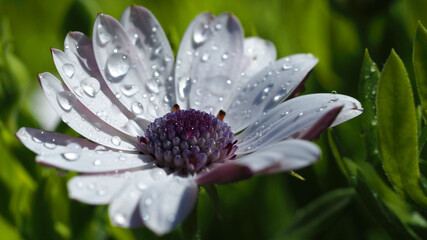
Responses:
[294,116]
[78,117]
[268,88]
[283,156]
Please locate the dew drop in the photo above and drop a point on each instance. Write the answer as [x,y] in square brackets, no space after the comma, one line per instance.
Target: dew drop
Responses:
[129,90]
[70,156]
[97,162]
[103,35]
[158,174]
[68,69]
[228,81]
[122,158]
[66,100]
[145,217]
[137,108]
[90,86]
[100,192]
[148,202]
[218,26]
[50,145]
[120,219]
[224,56]
[36,139]
[118,66]
[201,35]
[296,69]
[286,66]
[205,57]
[116,140]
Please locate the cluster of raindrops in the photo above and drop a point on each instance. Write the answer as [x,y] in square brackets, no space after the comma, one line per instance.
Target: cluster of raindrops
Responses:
[267,88]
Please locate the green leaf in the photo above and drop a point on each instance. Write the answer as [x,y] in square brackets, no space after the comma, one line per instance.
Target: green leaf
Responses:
[314,217]
[383,204]
[420,65]
[397,130]
[8,231]
[369,77]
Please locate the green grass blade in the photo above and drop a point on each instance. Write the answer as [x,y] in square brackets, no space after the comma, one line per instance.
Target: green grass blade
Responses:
[397,130]
[420,65]
[369,77]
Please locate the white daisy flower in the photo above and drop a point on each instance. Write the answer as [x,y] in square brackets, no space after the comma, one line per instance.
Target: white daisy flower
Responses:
[146,157]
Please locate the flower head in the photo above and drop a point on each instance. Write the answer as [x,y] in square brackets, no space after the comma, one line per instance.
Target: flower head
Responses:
[224,111]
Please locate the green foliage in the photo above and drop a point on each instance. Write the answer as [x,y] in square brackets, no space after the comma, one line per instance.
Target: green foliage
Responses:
[397,130]
[420,65]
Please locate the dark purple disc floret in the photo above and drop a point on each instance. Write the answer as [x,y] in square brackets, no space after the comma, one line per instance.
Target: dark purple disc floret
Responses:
[187,141]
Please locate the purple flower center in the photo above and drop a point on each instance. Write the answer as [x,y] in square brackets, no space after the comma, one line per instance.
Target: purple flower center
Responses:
[187,141]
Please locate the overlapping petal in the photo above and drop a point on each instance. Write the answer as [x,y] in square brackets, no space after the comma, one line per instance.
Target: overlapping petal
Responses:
[282,156]
[209,62]
[268,88]
[78,117]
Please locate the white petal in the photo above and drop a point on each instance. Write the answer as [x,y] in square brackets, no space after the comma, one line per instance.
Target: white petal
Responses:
[184,63]
[95,189]
[268,88]
[125,74]
[164,204]
[80,48]
[124,209]
[258,53]
[80,118]
[89,89]
[44,142]
[149,38]
[83,160]
[294,116]
[210,57]
[283,156]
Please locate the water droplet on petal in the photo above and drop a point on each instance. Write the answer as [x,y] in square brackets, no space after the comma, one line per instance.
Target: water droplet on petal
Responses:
[100,192]
[116,140]
[201,35]
[120,219]
[68,69]
[137,108]
[90,86]
[70,156]
[218,26]
[205,57]
[118,66]
[36,139]
[97,162]
[224,56]
[129,90]
[66,100]
[103,35]
[286,66]
[50,145]
[145,217]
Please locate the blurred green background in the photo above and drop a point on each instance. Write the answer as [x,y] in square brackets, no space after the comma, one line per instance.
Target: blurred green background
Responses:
[34,201]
